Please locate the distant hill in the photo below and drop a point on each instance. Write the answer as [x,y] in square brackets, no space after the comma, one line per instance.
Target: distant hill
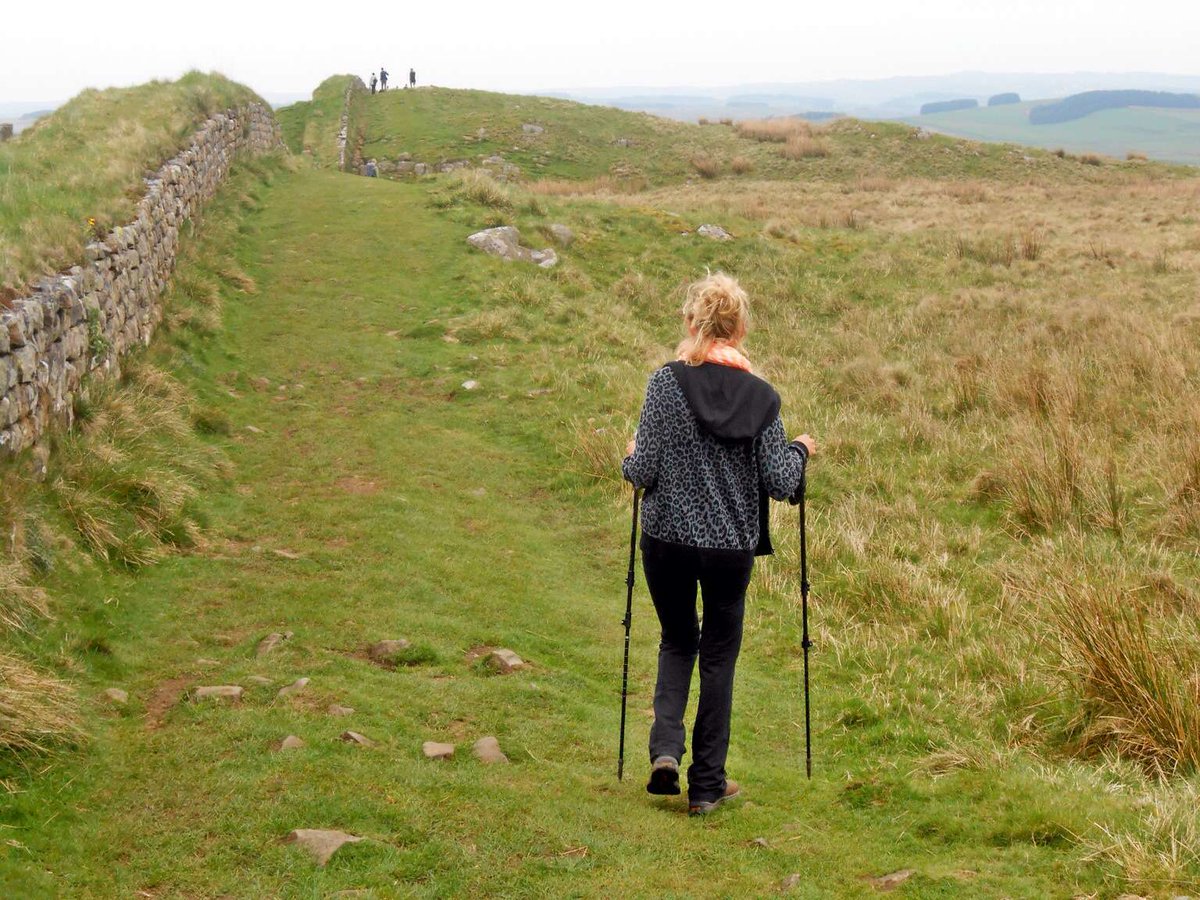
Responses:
[1080,105]
[1166,134]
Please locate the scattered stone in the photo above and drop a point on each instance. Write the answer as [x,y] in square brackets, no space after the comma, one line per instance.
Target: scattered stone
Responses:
[760,842]
[260,680]
[285,554]
[487,750]
[792,881]
[205,661]
[892,881]
[262,383]
[434,750]
[530,128]
[624,142]
[218,692]
[273,640]
[291,742]
[116,696]
[353,737]
[321,844]
[470,384]
[336,710]
[505,242]
[716,232]
[478,492]
[504,661]
[294,688]
[562,234]
[385,651]
[253,430]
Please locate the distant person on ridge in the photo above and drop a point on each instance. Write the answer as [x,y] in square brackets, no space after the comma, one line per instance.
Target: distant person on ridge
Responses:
[708,451]
[412,77]
[372,82]
[382,78]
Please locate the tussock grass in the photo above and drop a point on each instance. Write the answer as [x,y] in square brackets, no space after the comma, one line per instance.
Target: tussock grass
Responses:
[478,187]
[801,146]
[86,160]
[706,166]
[37,710]
[741,165]
[1163,853]
[1139,688]
[776,131]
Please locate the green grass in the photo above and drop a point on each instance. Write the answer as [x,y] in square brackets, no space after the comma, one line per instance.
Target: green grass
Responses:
[376,498]
[87,161]
[1172,135]
[311,127]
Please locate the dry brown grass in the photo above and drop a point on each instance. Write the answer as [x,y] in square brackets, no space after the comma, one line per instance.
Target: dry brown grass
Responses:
[37,711]
[804,147]
[706,166]
[741,165]
[602,185]
[776,131]
[1140,690]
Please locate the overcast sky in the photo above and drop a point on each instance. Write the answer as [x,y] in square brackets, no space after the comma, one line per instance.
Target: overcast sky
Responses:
[53,51]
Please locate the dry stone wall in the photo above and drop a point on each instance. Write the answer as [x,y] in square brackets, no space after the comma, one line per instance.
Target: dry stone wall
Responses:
[84,320]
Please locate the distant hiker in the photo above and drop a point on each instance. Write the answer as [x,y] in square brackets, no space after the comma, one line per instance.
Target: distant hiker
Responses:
[372,82]
[412,77]
[372,169]
[382,78]
[709,449]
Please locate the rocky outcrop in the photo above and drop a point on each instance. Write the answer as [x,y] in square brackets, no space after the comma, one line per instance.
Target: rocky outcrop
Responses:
[84,320]
[505,242]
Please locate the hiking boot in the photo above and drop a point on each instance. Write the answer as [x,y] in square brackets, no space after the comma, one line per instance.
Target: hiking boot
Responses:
[664,776]
[704,807]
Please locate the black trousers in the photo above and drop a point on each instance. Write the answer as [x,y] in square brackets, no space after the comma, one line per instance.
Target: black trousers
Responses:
[673,573]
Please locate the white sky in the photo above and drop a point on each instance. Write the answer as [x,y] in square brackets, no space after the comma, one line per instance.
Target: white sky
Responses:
[51,52]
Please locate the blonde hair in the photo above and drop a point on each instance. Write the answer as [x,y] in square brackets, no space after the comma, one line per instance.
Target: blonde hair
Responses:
[719,310]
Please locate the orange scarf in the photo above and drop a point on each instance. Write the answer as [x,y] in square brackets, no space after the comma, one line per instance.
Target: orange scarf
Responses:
[723,354]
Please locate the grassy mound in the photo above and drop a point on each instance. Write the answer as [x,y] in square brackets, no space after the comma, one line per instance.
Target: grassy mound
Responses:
[79,171]
[312,126]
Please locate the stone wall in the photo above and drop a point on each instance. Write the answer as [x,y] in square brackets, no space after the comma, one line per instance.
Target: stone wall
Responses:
[83,320]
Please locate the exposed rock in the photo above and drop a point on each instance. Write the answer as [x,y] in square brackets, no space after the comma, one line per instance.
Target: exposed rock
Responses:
[260,680]
[716,232]
[530,128]
[487,750]
[353,737]
[116,696]
[624,142]
[504,661]
[321,844]
[892,881]
[335,710]
[205,661]
[294,688]
[291,742]
[285,554]
[562,234]
[385,651]
[792,881]
[272,640]
[218,692]
[505,242]
[470,384]
[761,842]
[434,750]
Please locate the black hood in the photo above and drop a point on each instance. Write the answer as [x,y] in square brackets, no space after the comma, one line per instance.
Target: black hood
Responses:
[731,404]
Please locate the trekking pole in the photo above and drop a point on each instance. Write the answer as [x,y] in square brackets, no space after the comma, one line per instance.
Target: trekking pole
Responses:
[627,623]
[805,642]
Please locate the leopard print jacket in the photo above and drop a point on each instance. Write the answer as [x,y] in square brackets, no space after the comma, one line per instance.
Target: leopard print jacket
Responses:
[701,491]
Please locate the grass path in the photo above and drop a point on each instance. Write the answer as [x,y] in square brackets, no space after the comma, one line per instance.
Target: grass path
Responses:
[417,509]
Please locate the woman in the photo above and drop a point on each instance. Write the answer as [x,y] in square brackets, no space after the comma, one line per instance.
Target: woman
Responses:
[709,449]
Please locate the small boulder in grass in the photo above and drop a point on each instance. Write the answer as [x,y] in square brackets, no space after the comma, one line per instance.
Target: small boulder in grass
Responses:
[273,640]
[116,696]
[714,232]
[338,710]
[487,751]
[291,742]
[504,661]
[791,882]
[387,651]
[435,750]
[353,737]
[218,692]
[892,880]
[294,688]
[321,843]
